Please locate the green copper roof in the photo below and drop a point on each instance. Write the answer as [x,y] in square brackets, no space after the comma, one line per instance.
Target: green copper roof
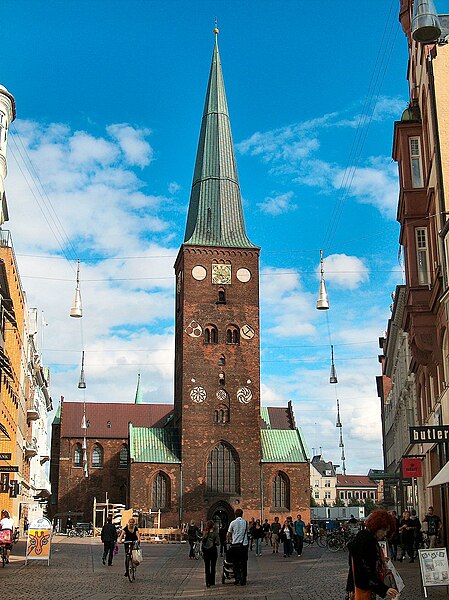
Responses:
[265,416]
[139,398]
[215,215]
[57,417]
[282,445]
[154,445]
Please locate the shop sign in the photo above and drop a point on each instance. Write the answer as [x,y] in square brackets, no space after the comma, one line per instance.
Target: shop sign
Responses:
[436,433]
[411,467]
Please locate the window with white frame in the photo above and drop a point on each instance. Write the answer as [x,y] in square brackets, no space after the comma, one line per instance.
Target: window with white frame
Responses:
[317,483]
[422,255]
[342,495]
[415,161]
[327,495]
[371,495]
[327,483]
[317,494]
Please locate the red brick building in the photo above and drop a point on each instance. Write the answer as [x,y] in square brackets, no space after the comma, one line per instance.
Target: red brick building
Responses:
[218,449]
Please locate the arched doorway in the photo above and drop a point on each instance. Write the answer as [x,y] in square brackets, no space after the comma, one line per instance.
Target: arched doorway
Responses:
[222,513]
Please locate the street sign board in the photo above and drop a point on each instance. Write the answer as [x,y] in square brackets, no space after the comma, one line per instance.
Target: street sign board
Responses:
[5,455]
[8,469]
[438,434]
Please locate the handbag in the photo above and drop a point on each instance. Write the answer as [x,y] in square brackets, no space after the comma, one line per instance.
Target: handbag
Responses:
[5,536]
[136,556]
[115,551]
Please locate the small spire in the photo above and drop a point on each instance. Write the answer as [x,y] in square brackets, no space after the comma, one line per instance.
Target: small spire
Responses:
[216,30]
[138,399]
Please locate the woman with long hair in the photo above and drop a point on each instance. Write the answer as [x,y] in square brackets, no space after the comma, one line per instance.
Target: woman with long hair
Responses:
[210,543]
[367,570]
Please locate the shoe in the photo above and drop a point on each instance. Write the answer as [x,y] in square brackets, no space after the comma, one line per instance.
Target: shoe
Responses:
[299,555]
[104,561]
[411,560]
[207,584]
[109,564]
[243,583]
[274,551]
[285,556]
[236,582]
[125,575]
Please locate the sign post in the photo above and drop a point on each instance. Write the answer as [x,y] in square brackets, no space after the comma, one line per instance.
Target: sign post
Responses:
[39,540]
[434,568]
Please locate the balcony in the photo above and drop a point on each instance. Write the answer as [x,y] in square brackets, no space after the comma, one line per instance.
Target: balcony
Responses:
[32,413]
[31,448]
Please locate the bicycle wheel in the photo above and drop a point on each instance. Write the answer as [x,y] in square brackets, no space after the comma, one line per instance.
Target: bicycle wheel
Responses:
[308,540]
[197,551]
[334,544]
[132,571]
[321,540]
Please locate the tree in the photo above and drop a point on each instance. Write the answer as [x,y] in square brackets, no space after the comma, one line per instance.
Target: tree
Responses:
[312,500]
[353,502]
[339,502]
[369,506]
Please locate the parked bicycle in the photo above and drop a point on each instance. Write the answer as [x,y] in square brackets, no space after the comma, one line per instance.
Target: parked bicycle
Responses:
[131,564]
[197,550]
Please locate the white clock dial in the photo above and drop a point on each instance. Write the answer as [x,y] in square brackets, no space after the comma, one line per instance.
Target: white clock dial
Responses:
[243,275]
[199,273]
[221,274]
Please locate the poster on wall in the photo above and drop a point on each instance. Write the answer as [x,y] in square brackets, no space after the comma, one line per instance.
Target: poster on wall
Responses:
[39,540]
[434,567]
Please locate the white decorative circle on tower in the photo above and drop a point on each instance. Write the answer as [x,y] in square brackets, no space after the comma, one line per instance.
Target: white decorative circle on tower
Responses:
[198,394]
[222,395]
[194,329]
[199,273]
[247,332]
[243,275]
[244,395]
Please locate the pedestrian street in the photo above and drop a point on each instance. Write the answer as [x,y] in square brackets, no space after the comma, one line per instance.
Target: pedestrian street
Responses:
[76,572]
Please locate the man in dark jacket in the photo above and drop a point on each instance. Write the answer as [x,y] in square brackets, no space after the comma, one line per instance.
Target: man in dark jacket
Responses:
[109,539]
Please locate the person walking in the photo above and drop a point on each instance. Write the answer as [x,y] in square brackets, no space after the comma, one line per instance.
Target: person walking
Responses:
[130,533]
[417,537]
[434,526]
[257,534]
[394,539]
[407,532]
[367,570]
[267,532]
[238,533]
[109,539]
[298,528]
[193,533]
[222,533]
[210,542]
[286,535]
[275,528]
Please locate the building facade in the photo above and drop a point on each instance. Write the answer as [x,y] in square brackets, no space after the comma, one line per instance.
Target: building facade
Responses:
[356,488]
[323,481]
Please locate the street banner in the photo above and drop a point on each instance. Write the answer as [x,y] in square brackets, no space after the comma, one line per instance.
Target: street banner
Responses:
[411,467]
[39,540]
[434,567]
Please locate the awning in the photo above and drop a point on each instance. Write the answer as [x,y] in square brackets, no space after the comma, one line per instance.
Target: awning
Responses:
[441,477]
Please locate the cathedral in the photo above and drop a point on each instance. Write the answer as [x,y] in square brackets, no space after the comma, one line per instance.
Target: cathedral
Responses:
[215,448]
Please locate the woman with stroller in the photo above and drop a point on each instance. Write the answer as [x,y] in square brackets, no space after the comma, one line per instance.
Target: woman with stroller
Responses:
[193,534]
[210,543]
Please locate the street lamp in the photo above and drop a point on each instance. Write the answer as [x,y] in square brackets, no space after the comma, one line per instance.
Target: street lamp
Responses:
[426,26]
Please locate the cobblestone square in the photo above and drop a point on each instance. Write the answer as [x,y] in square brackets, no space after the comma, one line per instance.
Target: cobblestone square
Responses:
[76,572]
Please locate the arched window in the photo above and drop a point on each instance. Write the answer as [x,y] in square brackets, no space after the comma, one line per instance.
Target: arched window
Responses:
[78,456]
[223,470]
[232,335]
[210,334]
[160,497]
[221,414]
[221,296]
[222,360]
[281,491]
[97,457]
[123,459]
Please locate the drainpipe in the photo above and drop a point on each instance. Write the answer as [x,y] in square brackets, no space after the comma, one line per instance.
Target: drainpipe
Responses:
[180,494]
[261,492]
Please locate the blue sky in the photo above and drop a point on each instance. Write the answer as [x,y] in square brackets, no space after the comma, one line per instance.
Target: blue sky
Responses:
[109,102]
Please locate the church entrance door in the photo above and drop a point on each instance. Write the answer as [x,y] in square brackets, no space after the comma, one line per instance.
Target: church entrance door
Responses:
[222,513]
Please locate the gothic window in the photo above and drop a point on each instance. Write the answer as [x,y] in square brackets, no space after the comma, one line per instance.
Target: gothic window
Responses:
[78,456]
[222,361]
[223,470]
[123,457]
[281,491]
[97,457]
[210,334]
[221,296]
[232,335]
[161,492]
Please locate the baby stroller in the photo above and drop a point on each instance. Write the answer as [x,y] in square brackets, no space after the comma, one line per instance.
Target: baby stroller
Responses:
[228,566]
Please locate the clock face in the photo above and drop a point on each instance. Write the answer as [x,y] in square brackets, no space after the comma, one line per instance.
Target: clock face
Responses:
[221,274]
[243,275]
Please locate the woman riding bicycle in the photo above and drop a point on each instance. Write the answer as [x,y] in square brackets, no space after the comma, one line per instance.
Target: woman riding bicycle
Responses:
[130,533]
[7,524]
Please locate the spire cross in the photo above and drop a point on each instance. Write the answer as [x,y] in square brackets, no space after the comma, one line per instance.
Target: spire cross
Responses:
[216,30]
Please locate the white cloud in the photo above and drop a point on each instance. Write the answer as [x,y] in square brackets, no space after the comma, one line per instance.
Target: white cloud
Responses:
[137,151]
[173,187]
[344,271]
[277,205]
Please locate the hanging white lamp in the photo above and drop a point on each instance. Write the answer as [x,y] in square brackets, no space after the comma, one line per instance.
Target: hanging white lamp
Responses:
[322,302]
[77,308]
[426,26]
[82,381]
[333,375]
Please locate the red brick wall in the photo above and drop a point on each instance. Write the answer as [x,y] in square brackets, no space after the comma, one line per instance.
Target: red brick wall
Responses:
[142,477]
[299,477]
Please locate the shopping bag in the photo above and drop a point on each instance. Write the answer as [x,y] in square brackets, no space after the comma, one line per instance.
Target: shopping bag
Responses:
[399,582]
[5,536]
[137,556]
[115,551]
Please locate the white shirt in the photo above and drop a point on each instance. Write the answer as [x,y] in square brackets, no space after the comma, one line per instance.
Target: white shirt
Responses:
[238,529]
[7,523]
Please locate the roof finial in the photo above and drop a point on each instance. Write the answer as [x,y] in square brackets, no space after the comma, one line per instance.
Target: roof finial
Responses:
[216,30]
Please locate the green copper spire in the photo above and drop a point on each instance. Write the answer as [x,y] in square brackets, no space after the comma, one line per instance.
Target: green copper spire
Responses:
[139,397]
[215,215]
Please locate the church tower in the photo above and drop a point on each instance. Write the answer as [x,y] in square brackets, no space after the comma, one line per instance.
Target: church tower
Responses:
[217,342]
